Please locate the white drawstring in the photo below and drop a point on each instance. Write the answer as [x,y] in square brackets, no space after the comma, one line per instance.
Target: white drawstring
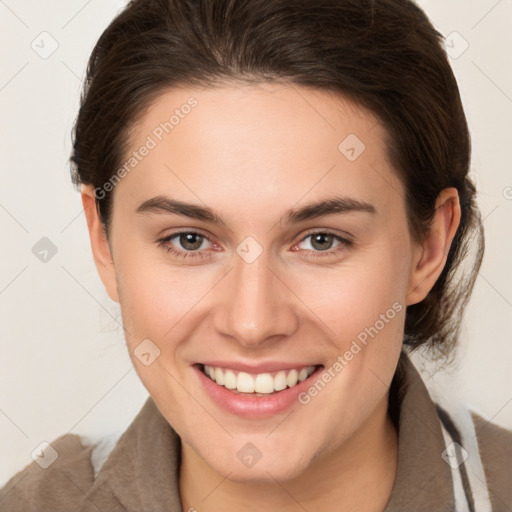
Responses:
[463,421]
[461,500]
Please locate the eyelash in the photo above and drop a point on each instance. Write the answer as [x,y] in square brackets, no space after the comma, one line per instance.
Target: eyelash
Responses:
[345,243]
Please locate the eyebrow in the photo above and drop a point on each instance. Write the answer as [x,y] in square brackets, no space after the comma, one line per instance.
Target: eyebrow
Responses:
[330,206]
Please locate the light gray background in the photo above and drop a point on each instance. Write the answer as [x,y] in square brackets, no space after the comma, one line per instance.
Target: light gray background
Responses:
[64,366]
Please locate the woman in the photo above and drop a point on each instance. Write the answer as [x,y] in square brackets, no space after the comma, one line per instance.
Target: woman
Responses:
[218,146]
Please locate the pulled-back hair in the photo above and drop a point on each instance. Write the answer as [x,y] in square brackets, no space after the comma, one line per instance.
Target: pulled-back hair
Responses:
[384,55]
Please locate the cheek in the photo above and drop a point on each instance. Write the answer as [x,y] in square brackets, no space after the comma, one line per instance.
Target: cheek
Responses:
[354,296]
[156,297]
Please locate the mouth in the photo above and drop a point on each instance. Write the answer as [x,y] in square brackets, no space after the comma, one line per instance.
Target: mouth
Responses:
[262,384]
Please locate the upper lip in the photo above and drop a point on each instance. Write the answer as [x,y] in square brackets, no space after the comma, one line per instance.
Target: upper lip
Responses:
[269,366]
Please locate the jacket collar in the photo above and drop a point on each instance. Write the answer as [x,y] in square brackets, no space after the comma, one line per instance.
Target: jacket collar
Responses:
[142,471]
[423,481]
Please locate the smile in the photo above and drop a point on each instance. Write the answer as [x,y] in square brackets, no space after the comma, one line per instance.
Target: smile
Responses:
[260,384]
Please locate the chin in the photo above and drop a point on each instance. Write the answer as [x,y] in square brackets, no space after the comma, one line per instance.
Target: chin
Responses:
[278,468]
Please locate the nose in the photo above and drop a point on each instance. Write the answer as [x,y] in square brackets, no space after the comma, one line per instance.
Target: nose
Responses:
[258,307]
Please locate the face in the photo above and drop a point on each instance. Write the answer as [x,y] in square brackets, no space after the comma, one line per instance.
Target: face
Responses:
[239,270]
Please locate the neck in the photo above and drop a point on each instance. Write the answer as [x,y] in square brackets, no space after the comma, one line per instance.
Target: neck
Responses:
[359,475]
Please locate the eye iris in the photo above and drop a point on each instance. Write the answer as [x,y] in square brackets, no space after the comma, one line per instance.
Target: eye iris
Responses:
[321,237]
[190,238]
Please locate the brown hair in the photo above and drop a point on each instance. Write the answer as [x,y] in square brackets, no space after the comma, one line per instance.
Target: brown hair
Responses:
[385,55]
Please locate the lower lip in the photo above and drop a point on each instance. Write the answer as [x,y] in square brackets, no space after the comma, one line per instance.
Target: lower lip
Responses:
[249,406]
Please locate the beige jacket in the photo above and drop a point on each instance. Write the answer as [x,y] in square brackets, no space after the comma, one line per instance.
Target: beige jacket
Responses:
[141,472]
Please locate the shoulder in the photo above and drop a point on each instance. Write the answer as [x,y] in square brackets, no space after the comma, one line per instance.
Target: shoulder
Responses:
[55,481]
[495,447]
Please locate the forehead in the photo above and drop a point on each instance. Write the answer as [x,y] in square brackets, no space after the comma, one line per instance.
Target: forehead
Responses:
[268,143]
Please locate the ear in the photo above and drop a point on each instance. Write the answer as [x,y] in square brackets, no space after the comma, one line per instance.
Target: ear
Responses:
[429,257]
[99,243]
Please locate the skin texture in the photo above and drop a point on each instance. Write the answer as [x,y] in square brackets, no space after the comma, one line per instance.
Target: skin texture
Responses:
[251,152]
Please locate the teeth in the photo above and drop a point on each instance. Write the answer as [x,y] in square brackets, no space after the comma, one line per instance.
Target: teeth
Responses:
[291,380]
[219,376]
[263,383]
[280,381]
[230,379]
[303,374]
[244,383]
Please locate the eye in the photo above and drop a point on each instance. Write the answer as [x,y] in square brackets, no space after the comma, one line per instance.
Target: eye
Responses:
[322,243]
[190,241]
